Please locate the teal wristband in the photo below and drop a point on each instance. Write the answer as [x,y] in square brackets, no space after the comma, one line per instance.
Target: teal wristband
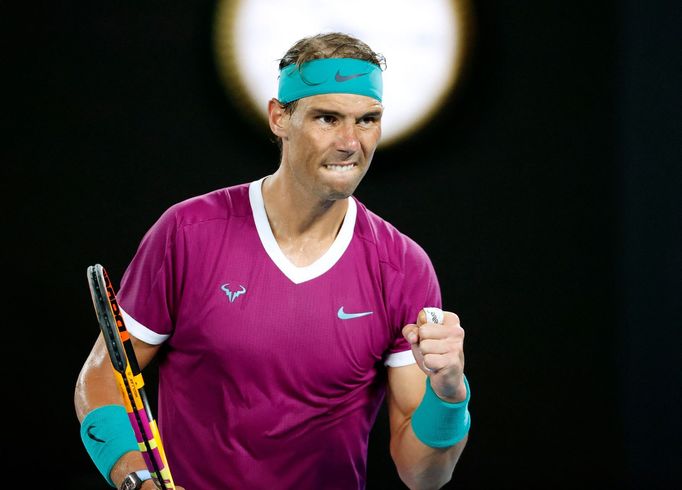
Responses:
[438,423]
[107,435]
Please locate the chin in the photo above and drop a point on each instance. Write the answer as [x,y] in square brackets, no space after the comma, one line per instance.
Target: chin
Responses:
[342,186]
[337,192]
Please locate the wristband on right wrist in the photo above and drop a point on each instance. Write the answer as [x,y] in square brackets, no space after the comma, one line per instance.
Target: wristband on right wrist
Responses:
[440,424]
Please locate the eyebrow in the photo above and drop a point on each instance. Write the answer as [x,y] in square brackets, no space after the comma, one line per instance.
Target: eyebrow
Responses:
[316,111]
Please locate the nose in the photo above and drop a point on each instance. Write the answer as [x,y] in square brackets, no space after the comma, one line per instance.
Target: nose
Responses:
[348,138]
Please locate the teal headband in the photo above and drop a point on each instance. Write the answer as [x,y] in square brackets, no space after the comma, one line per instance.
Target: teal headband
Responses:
[330,76]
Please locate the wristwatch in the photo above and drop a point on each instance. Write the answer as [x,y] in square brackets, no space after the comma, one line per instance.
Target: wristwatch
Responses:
[134,480]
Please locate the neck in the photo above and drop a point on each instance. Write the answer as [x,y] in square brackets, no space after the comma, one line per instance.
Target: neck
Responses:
[304,225]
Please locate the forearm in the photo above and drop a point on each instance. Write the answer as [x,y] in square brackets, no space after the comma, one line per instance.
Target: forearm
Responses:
[428,433]
[96,385]
[422,467]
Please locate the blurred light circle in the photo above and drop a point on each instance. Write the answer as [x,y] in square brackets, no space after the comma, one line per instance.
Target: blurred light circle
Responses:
[424,44]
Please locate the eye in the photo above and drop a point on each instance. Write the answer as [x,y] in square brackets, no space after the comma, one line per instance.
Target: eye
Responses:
[326,118]
[369,120]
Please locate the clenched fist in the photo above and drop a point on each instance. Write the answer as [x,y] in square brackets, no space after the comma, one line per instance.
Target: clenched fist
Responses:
[439,351]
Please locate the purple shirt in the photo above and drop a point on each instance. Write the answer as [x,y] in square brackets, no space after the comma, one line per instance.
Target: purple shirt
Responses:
[271,375]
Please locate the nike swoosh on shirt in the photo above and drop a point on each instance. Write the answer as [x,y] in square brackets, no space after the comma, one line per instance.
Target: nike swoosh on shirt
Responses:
[344,78]
[348,316]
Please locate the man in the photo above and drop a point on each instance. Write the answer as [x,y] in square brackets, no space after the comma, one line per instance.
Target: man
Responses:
[283,311]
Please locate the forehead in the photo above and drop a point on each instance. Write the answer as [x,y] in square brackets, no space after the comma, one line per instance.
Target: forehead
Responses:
[351,104]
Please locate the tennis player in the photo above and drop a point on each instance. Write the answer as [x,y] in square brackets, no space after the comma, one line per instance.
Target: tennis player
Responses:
[283,312]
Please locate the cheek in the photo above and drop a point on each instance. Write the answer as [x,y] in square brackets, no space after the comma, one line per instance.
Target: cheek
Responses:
[306,151]
[370,140]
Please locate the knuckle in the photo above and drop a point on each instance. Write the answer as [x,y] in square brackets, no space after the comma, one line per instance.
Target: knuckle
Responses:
[453,317]
[427,346]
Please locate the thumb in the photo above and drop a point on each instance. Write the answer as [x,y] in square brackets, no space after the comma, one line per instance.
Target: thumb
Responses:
[411,334]
[430,314]
[425,315]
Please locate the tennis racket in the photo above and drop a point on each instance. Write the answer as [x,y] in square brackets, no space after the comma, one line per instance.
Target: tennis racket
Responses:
[128,376]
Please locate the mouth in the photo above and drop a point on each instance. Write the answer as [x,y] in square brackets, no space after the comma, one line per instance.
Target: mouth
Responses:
[340,167]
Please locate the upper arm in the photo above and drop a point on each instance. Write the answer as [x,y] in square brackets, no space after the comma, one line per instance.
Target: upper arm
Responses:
[406,386]
[144,352]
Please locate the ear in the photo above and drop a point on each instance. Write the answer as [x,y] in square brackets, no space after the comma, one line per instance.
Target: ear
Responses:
[277,118]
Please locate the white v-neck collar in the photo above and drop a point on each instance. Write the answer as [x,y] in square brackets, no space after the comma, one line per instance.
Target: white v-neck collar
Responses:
[297,274]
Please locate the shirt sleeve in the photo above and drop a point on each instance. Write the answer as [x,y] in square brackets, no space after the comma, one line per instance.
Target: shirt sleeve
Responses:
[413,286]
[149,287]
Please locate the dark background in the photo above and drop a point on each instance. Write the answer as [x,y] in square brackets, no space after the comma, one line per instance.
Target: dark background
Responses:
[546,192]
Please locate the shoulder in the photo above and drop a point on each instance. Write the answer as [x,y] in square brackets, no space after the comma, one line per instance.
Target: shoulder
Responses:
[394,247]
[220,204]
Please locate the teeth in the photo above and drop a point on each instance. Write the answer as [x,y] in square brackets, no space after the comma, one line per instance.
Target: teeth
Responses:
[340,168]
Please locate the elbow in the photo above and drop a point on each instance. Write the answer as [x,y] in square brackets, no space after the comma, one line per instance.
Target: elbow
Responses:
[423,481]
[427,470]
[422,474]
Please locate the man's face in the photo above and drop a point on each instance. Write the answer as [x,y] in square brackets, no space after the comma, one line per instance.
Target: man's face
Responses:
[328,142]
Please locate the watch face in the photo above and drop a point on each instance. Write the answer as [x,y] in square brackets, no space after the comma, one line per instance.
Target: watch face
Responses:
[131,482]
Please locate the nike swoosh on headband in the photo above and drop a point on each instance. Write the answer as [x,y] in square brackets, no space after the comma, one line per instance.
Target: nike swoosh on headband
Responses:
[348,316]
[330,76]
[344,78]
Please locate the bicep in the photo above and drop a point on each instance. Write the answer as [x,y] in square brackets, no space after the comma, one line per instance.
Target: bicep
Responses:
[99,356]
[144,352]
[406,386]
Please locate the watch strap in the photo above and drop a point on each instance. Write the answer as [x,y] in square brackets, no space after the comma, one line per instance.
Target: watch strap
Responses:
[143,475]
